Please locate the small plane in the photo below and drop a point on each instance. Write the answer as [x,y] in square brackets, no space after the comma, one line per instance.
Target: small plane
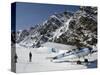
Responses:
[74,53]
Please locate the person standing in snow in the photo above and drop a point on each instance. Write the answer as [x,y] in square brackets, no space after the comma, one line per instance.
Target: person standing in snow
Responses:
[30,57]
[15,58]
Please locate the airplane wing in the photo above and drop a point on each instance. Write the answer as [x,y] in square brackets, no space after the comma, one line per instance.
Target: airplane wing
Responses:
[76,53]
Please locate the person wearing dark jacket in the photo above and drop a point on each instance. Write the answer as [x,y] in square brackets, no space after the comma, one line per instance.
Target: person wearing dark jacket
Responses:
[15,58]
[30,57]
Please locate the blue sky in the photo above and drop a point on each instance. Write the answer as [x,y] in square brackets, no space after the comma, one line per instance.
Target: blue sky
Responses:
[30,14]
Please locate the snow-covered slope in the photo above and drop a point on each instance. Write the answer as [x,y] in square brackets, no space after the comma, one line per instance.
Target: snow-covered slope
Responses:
[41,60]
[62,29]
[60,33]
[58,46]
[77,29]
[82,30]
[48,31]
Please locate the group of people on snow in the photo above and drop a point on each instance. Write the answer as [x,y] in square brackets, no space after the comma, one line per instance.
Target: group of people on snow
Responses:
[16,57]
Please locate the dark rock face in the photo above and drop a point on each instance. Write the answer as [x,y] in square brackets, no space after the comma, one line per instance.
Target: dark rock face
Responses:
[82,29]
[54,22]
[23,34]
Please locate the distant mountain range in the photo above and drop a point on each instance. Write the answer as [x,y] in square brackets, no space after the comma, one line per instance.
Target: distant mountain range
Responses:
[78,29]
